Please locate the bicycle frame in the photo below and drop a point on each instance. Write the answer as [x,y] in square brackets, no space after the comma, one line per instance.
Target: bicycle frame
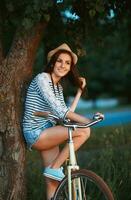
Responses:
[72,160]
[72,166]
[72,192]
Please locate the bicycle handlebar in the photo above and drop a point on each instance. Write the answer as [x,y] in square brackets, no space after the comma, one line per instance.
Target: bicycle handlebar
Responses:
[96,118]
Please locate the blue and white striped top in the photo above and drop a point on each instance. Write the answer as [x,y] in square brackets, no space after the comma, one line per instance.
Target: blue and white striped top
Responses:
[41,97]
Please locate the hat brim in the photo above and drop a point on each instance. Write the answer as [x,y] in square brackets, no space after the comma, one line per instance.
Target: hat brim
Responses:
[62,47]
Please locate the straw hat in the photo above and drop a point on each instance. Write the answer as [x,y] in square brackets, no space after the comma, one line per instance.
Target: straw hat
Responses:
[65,47]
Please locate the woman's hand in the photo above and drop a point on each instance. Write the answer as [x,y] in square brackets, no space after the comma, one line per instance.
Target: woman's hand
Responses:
[100,115]
[78,94]
[83,82]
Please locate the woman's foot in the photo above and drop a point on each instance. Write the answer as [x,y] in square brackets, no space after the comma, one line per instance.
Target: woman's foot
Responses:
[55,174]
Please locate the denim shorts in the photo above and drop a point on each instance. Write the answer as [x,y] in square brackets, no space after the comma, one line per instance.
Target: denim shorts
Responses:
[31,136]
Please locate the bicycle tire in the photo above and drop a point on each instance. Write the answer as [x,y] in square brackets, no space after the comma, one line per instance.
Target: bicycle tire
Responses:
[96,189]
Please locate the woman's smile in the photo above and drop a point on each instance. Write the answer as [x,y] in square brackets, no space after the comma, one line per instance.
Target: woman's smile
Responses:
[61,67]
[61,70]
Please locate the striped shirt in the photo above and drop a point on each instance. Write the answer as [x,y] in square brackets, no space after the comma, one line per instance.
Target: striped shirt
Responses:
[41,97]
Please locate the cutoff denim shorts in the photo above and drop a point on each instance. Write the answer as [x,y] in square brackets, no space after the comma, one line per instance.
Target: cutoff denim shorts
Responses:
[31,136]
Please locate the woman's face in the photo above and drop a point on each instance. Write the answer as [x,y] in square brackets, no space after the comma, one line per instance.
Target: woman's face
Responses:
[62,65]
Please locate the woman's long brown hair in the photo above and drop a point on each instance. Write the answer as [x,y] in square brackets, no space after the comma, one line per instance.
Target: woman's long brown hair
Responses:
[72,76]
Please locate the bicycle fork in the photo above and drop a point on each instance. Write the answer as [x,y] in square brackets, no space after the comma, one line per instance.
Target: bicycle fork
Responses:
[74,186]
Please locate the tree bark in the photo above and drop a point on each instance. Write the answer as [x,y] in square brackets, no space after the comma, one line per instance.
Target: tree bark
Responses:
[15,69]
[1,53]
[1,48]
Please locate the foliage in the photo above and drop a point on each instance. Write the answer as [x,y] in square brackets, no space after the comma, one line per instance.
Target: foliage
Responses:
[107,62]
[101,40]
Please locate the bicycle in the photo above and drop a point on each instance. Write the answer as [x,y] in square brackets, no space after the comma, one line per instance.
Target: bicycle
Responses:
[79,184]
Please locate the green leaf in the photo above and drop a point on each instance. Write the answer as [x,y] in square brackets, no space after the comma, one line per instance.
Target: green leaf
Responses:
[99,8]
[92,13]
[46,17]
[10,7]
[27,23]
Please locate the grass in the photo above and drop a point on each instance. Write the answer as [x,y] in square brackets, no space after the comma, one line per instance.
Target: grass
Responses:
[112,136]
[35,181]
[107,153]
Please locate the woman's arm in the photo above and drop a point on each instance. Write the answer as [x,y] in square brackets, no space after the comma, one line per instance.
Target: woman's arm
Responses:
[78,95]
[79,118]
[76,117]
[76,100]
[44,89]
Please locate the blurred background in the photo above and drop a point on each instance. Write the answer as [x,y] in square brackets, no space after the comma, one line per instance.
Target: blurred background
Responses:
[99,32]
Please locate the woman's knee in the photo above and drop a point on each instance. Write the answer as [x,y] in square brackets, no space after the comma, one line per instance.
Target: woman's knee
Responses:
[85,133]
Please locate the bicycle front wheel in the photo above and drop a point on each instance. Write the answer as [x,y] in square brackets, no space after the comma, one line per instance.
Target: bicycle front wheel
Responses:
[92,187]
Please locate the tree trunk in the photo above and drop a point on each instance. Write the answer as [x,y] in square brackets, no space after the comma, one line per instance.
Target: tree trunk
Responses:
[1,53]
[15,69]
[1,48]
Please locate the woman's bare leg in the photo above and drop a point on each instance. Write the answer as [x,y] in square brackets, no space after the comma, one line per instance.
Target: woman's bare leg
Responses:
[48,157]
[48,144]
[64,154]
[51,187]
[55,136]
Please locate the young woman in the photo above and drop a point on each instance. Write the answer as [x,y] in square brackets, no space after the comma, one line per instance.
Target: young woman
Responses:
[45,94]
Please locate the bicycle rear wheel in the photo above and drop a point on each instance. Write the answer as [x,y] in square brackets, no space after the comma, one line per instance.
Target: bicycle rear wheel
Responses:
[92,187]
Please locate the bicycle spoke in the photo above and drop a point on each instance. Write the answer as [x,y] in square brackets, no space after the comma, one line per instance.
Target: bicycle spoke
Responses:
[92,187]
